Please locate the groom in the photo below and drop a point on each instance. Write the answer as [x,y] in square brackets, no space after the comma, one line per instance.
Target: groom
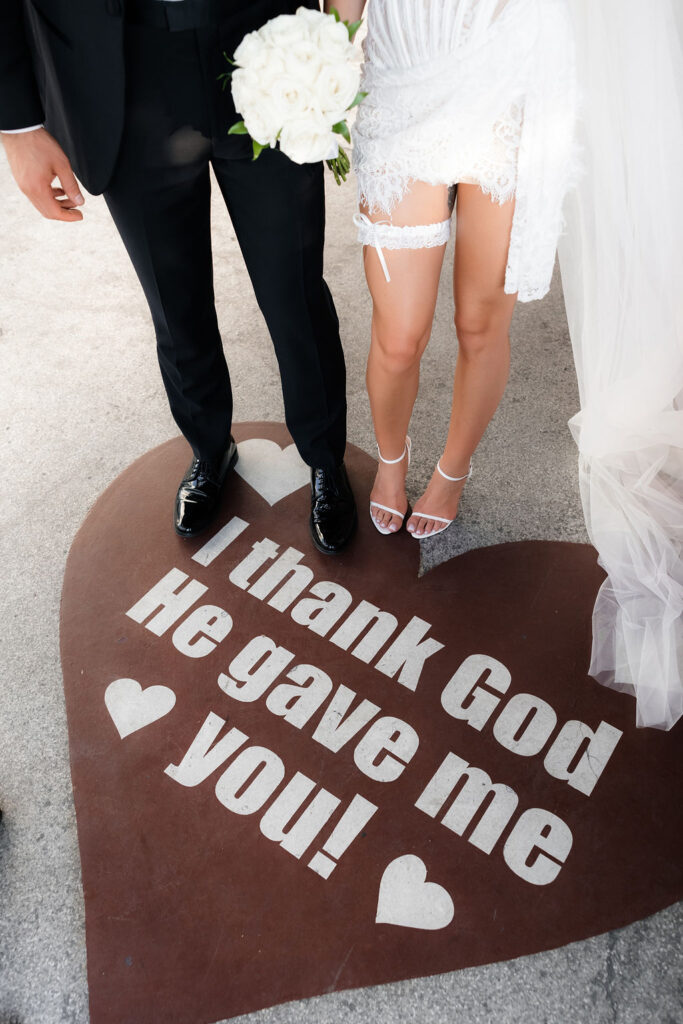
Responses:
[125,96]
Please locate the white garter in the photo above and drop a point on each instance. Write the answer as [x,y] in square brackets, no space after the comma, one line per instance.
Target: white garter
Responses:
[383,235]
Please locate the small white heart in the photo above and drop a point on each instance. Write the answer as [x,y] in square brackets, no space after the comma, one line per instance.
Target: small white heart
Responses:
[271,470]
[131,707]
[408,900]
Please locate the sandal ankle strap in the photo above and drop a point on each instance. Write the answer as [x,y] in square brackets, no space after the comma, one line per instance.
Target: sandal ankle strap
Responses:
[394,462]
[454,479]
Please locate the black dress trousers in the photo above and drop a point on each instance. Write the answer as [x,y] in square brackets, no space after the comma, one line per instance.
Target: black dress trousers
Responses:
[175,129]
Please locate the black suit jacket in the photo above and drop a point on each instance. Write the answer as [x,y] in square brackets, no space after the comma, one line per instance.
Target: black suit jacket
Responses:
[62,63]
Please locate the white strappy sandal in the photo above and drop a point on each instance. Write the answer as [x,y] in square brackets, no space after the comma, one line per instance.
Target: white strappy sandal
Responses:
[439,519]
[384,508]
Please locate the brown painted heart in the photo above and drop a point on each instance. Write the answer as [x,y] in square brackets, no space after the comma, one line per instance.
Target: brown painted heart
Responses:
[295,774]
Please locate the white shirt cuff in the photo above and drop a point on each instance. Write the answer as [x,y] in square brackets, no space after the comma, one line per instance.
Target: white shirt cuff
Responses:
[20,131]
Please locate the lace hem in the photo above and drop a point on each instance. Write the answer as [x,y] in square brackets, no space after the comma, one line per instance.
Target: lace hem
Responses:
[436,113]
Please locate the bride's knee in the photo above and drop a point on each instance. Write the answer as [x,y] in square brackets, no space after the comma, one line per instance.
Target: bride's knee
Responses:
[478,329]
[400,349]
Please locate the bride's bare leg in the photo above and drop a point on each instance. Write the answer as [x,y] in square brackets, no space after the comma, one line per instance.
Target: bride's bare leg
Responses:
[403,311]
[482,320]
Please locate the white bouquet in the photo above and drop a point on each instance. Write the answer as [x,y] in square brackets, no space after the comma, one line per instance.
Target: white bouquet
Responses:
[295,80]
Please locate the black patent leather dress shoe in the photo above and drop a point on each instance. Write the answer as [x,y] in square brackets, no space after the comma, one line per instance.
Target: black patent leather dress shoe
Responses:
[199,492]
[333,509]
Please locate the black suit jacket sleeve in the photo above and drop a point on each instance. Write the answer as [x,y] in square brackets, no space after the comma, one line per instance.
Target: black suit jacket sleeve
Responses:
[20,104]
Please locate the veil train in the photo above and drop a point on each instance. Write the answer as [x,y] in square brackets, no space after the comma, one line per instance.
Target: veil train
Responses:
[621,259]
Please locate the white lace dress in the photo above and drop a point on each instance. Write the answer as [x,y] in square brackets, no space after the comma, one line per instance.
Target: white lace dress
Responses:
[472,91]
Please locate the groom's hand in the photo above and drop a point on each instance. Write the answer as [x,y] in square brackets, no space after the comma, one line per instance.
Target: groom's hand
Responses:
[36,159]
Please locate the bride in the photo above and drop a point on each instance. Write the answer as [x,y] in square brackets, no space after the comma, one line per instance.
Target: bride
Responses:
[470,104]
[474,105]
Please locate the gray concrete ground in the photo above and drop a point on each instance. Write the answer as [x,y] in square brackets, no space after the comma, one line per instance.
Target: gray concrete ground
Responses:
[81,399]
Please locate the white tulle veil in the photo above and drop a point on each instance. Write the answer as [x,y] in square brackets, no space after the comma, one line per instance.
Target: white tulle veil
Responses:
[622,270]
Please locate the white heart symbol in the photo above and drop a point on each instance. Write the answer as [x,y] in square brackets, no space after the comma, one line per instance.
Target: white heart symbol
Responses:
[271,470]
[406,899]
[131,707]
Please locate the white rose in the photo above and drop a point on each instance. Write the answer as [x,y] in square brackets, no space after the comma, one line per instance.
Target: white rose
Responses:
[252,53]
[260,112]
[308,139]
[274,66]
[283,31]
[289,98]
[263,122]
[333,41]
[303,62]
[312,19]
[246,89]
[249,84]
[336,88]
